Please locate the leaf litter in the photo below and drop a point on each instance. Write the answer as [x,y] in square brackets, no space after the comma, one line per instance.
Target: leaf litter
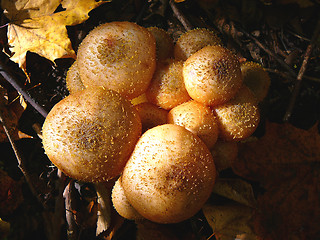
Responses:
[283,160]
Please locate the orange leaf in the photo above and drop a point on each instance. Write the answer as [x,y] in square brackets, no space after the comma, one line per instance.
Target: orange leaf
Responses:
[282,145]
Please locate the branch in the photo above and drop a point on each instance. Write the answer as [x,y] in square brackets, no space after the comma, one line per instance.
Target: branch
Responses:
[179,15]
[10,78]
[302,70]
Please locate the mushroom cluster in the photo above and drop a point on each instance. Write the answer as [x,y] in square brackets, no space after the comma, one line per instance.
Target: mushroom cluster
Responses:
[160,117]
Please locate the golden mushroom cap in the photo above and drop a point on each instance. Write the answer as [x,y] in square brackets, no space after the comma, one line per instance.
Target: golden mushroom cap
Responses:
[89,135]
[167,88]
[121,203]
[194,40]
[164,43]
[239,117]
[73,80]
[198,119]
[118,55]
[256,78]
[212,75]
[151,115]
[170,174]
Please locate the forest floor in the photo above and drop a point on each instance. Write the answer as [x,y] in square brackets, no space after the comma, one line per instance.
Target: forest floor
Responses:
[281,35]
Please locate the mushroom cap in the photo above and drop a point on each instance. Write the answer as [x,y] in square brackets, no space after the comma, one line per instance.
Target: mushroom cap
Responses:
[73,80]
[121,203]
[192,41]
[151,115]
[118,55]
[239,117]
[256,78]
[198,119]
[212,75]
[170,174]
[164,43]
[167,88]
[90,135]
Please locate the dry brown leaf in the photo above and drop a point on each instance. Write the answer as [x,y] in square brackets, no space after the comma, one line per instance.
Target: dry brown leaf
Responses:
[10,116]
[47,35]
[230,221]
[290,209]
[10,194]
[235,189]
[282,147]
[104,208]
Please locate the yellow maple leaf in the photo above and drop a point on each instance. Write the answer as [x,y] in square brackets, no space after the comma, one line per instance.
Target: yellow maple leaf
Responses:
[46,33]
[22,9]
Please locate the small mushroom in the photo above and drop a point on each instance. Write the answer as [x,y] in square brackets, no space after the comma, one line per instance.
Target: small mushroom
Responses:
[212,75]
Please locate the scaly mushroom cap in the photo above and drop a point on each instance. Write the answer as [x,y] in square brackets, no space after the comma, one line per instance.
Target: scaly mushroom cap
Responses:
[90,135]
[118,55]
[198,119]
[164,43]
[194,40]
[121,203]
[170,174]
[167,88]
[212,75]
[73,80]
[239,117]
[256,78]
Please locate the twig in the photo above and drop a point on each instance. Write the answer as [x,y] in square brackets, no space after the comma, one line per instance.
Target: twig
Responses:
[9,77]
[284,74]
[179,15]
[271,53]
[22,168]
[302,70]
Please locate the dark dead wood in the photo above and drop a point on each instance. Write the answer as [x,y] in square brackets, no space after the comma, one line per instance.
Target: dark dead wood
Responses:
[302,70]
[10,78]
[180,16]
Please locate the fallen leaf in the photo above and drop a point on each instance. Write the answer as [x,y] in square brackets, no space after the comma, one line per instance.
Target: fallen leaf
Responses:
[230,220]
[10,194]
[46,35]
[23,9]
[286,161]
[9,118]
[235,189]
[282,147]
[290,209]
[4,229]
[104,208]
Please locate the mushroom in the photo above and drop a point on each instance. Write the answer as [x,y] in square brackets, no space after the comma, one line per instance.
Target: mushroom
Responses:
[256,78]
[239,117]
[212,75]
[198,119]
[121,203]
[167,88]
[118,55]
[170,174]
[89,135]
[151,115]
[164,43]
[73,80]
[194,40]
